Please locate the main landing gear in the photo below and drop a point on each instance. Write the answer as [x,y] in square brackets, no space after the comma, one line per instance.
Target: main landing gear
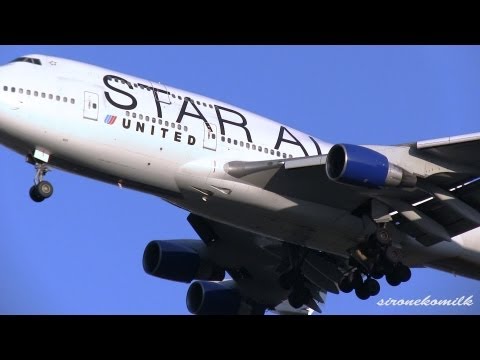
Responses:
[293,279]
[370,262]
[41,189]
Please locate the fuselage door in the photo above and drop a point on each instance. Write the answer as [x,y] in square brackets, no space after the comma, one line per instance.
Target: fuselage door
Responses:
[90,107]
[210,136]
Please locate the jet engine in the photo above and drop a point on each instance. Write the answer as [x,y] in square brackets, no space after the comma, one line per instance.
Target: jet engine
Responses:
[180,260]
[361,166]
[222,298]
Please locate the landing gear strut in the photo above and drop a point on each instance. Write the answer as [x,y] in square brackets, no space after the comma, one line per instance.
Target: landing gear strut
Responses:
[41,189]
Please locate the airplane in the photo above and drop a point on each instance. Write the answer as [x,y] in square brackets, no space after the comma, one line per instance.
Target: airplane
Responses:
[287,216]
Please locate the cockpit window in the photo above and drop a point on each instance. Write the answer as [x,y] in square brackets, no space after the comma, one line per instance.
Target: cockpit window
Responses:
[28,59]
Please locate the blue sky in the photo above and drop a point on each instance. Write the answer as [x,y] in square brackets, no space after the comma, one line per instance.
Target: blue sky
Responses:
[80,252]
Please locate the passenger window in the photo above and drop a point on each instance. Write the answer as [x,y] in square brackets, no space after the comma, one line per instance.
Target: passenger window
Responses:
[134,115]
[179,97]
[35,93]
[247,145]
[278,153]
[166,123]
[5,88]
[241,143]
[290,156]
[213,136]
[94,105]
[28,92]
[266,151]
[229,140]
[204,104]
[65,99]
[198,103]
[185,128]
[72,100]
[284,155]
[179,127]
[147,118]
[154,120]
[43,95]
[57,97]
[50,96]
[210,106]
[272,152]
[173,96]
[13,89]
[254,147]
[235,142]
[223,138]
[127,113]
[260,148]
[20,91]
[160,121]
[140,116]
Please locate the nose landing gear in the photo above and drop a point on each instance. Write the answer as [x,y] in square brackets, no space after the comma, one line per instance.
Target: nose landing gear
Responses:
[41,189]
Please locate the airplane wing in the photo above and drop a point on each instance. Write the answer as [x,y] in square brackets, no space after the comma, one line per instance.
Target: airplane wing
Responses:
[255,264]
[448,202]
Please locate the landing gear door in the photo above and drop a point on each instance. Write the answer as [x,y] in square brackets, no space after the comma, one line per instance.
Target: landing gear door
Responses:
[210,136]
[90,107]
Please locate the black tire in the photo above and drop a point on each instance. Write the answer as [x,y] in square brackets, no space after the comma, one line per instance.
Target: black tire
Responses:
[392,279]
[34,195]
[345,285]
[362,292]
[393,254]
[298,297]
[403,272]
[387,267]
[383,236]
[377,271]
[356,279]
[373,286]
[45,189]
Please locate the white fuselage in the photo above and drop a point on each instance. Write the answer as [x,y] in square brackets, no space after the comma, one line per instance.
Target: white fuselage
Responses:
[172,143]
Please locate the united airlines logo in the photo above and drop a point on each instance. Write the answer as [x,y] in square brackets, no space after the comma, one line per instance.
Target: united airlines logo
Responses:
[110,119]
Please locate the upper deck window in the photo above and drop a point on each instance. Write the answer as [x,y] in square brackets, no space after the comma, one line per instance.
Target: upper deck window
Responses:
[28,59]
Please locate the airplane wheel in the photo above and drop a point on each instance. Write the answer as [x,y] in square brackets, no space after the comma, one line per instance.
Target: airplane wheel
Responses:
[299,297]
[392,279]
[362,292]
[34,195]
[356,279]
[45,189]
[372,286]
[346,285]
[403,272]
[383,236]
[393,254]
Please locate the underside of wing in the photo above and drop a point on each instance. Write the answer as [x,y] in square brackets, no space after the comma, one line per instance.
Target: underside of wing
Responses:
[256,264]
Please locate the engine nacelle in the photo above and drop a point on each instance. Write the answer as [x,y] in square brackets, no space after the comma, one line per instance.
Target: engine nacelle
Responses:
[180,260]
[361,166]
[210,298]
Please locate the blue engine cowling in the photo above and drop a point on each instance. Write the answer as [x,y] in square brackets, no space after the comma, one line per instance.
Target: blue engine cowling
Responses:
[179,260]
[210,298]
[361,166]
